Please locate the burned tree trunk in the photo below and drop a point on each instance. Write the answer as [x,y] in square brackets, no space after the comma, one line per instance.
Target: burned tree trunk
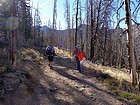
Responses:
[130,42]
[67,15]
[12,33]
[53,40]
[91,29]
[77,5]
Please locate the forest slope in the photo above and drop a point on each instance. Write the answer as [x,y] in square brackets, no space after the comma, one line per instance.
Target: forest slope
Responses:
[62,85]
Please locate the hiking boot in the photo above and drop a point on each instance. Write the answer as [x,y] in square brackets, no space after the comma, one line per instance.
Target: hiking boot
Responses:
[80,70]
[50,67]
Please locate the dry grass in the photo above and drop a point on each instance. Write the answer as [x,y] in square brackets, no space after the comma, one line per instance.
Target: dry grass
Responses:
[30,61]
[117,80]
[31,55]
[2,69]
[62,52]
[28,54]
[115,73]
[132,97]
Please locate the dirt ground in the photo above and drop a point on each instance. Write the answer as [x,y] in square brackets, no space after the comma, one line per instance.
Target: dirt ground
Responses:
[64,85]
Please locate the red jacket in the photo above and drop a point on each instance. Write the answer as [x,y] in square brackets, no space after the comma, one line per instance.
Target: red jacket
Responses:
[79,54]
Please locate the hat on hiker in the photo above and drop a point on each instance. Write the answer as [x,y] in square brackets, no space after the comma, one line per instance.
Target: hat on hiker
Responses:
[78,46]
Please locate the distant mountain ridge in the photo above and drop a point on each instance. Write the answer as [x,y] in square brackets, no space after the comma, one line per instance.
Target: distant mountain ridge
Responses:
[46,30]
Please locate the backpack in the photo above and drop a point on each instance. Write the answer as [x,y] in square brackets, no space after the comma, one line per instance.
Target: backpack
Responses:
[49,51]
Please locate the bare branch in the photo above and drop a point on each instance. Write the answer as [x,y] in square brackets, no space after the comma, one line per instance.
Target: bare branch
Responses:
[120,21]
[109,4]
[135,22]
[133,3]
[136,8]
[120,7]
[124,19]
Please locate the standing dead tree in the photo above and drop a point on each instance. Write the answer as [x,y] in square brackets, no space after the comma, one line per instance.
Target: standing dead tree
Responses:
[24,17]
[86,42]
[17,25]
[81,27]
[37,27]
[12,33]
[53,41]
[76,19]
[130,41]
[67,17]
[91,30]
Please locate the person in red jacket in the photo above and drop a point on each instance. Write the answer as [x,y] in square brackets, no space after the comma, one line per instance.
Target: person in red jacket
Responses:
[79,55]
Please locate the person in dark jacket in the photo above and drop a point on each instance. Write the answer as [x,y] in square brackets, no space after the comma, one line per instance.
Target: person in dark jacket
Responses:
[50,52]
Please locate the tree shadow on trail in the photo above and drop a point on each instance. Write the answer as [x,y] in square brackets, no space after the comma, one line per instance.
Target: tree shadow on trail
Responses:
[62,67]
[71,65]
[82,81]
[86,72]
[86,83]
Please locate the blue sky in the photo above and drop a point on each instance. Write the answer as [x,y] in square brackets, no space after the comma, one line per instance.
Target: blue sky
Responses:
[46,11]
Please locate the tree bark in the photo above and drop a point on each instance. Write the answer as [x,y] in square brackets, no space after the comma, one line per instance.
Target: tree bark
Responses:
[91,29]
[130,42]
[76,22]
[12,57]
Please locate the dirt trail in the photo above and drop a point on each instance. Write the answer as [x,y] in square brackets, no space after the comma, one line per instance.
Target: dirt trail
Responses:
[66,86]
[63,85]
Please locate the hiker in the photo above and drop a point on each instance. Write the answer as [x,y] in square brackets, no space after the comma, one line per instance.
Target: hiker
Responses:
[79,55]
[60,45]
[94,59]
[50,52]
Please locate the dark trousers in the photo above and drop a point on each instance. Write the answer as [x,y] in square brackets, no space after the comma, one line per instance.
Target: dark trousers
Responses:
[50,58]
[78,64]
